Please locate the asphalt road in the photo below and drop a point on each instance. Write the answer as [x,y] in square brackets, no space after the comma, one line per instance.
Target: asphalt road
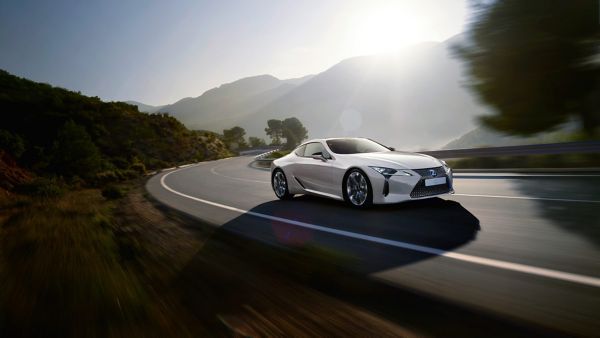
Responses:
[522,246]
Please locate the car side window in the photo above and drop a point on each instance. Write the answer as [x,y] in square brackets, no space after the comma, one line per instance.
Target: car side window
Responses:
[315,149]
[300,150]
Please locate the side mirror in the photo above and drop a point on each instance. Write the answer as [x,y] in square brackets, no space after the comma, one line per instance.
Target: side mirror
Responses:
[392,148]
[319,156]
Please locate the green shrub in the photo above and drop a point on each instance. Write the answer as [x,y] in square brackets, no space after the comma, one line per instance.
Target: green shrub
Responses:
[74,152]
[76,182]
[112,176]
[42,187]
[105,177]
[112,192]
[138,167]
[12,143]
[120,162]
[157,164]
[127,174]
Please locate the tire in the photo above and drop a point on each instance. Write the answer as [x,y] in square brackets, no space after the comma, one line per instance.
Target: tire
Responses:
[357,190]
[280,185]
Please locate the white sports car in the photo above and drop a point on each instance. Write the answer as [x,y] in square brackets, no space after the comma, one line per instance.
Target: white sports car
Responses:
[359,171]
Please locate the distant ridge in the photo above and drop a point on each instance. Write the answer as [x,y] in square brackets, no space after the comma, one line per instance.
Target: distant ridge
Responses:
[414,99]
[146,108]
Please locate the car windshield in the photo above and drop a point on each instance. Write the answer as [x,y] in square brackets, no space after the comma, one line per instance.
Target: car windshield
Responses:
[354,146]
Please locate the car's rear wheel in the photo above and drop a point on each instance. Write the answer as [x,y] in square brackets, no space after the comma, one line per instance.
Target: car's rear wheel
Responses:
[357,189]
[280,186]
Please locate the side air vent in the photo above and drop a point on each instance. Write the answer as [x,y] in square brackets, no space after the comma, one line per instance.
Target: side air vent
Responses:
[297,180]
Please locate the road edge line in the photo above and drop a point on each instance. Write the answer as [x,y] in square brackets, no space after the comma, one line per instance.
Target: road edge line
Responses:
[532,270]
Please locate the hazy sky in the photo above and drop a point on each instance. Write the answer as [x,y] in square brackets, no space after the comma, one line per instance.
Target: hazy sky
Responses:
[158,52]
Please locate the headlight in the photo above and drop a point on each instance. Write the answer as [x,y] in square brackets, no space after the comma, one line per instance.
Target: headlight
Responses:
[446,166]
[391,172]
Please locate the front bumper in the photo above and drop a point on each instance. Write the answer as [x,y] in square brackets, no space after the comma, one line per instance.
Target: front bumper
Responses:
[405,188]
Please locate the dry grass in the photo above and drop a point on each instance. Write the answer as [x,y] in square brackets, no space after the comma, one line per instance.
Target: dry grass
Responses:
[62,272]
[81,265]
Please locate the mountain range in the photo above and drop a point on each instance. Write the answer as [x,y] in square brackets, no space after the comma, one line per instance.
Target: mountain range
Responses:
[413,99]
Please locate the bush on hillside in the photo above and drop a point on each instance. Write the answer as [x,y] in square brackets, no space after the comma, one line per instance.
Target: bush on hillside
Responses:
[12,143]
[74,153]
[112,192]
[138,167]
[43,187]
[68,134]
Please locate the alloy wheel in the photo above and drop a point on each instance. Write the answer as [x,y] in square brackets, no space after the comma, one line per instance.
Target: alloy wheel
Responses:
[357,188]
[279,184]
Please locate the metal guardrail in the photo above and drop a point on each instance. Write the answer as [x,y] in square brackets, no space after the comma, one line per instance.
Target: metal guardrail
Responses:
[531,149]
[263,155]
[257,150]
[261,162]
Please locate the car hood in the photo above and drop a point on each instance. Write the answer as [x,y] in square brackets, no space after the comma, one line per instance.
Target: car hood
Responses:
[403,159]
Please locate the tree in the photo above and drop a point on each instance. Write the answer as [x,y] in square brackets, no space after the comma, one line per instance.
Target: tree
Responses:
[256,142]
[536,62]
[291,129]
[275,131]
[234,138]
[293,132]
[12,143]
[74,153]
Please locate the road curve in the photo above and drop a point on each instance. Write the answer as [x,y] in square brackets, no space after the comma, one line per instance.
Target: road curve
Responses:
[526,247]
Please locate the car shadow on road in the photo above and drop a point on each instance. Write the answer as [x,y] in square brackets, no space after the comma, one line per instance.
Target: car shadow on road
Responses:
[580,218]
[232,271]
[434,223]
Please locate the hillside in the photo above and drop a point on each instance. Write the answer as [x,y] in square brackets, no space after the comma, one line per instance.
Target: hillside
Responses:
[412,100]
[55,131]
[226,105]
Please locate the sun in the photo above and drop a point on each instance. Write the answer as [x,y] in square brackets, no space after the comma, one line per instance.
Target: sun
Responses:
[385,30]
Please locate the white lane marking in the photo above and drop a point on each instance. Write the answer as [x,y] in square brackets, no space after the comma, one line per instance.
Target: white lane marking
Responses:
[191,164]
[560,275]
[530,198]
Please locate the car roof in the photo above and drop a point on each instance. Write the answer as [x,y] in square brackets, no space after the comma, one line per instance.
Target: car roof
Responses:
[330,138]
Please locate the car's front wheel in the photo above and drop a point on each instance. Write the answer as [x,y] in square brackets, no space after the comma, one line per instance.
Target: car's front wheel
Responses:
[280,186]
[357,189]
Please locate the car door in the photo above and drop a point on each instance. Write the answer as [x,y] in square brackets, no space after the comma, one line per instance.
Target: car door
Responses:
[314,172]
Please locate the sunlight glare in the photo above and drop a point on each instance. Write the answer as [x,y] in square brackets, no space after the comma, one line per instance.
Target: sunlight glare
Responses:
[387,29]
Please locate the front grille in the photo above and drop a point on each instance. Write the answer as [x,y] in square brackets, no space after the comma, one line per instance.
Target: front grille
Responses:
[425,172]
[420,190]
